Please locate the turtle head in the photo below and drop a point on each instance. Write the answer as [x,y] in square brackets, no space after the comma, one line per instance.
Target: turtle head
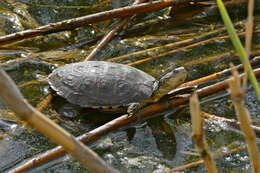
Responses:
[170,80]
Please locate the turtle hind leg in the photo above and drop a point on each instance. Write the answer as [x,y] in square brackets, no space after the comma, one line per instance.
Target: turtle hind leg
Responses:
[133,109]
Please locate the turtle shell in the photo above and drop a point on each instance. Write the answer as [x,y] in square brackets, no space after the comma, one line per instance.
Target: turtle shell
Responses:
[99,83]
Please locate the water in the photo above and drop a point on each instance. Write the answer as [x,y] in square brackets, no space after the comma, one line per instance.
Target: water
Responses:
[157,144]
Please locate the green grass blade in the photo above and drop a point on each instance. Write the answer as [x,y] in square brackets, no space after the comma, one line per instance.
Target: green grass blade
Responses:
[238,46]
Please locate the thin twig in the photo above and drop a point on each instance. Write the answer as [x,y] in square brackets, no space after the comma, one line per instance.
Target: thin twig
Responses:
[42,105]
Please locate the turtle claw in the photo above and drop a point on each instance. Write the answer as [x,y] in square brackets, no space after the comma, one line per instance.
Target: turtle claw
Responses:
[133,108]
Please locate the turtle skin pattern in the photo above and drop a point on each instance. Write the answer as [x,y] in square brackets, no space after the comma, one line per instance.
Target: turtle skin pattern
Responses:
[99,83]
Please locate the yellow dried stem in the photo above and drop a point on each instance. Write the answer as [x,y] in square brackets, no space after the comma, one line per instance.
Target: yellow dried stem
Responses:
[197,122]
[197,127]
[249,33]
[245,121]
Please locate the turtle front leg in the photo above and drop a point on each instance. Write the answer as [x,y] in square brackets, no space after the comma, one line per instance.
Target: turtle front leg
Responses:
[133,108]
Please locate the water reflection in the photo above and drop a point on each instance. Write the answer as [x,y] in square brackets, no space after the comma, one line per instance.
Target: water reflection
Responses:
[164,137]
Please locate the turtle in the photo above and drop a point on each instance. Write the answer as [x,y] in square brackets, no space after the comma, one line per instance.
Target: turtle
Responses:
[112,86]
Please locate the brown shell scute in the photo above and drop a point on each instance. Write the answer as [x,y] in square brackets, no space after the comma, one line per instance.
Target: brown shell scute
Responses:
[99,83]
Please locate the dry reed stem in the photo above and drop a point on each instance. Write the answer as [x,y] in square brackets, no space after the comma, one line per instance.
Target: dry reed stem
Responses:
[15,101]
[244,119]
[249,33]
[197,129]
